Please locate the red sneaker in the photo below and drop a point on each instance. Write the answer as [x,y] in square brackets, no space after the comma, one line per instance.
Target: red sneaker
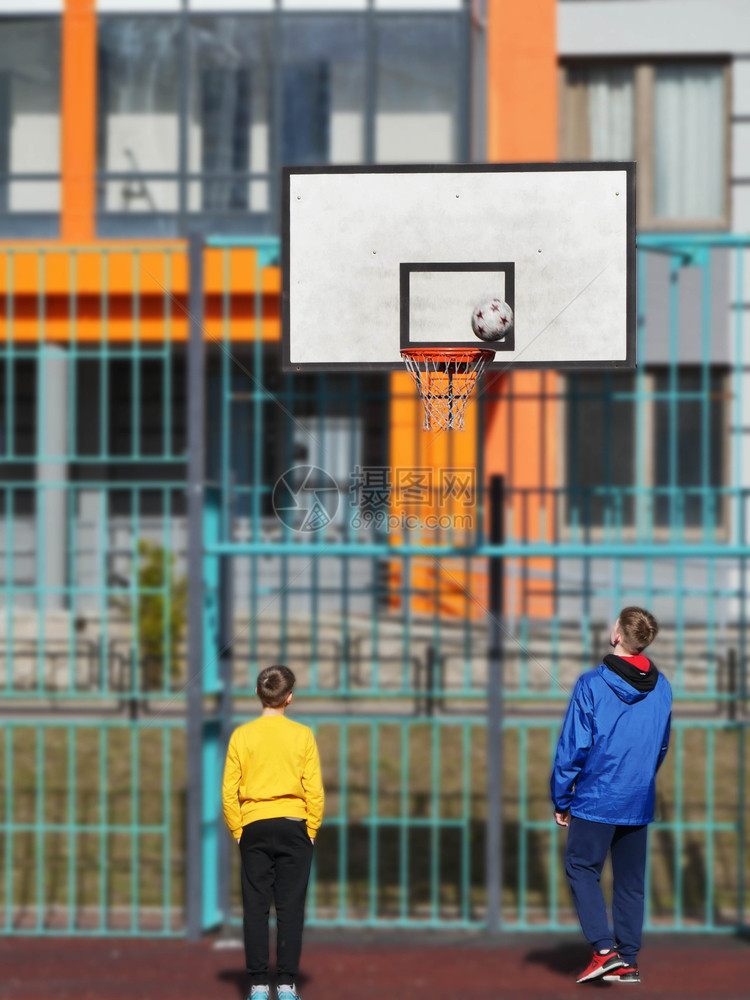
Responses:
[600,965]
[625,974]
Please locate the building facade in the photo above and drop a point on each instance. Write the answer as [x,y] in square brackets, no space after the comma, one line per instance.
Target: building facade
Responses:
[141,143]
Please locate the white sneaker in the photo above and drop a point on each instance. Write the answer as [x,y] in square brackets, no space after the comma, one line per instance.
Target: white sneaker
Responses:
[259,993]
[287,992]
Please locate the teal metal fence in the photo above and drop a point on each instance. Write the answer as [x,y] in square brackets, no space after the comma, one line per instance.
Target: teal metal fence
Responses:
[93,832]
[92,835]
[92,473]
[92,494]
[652,511]
[386,625]
[404,842]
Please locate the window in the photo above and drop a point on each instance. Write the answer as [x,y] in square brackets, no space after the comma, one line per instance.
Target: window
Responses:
[29,115]
[680,414]
[18,415]
[671,117]
[146,408]
[323,81]
[138,104]
[229,126]
[689,141]
[225,135]
[599,113]
[418,99]
[198,112]
[336,425]
[688,444]
[600,412]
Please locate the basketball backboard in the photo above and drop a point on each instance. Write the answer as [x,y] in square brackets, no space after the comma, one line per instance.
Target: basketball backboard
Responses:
[381,258]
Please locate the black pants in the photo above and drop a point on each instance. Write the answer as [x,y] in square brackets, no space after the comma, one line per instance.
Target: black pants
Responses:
[588,846]
[276,859]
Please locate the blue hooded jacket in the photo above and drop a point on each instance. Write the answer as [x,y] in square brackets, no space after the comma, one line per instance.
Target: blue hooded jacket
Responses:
[614,739]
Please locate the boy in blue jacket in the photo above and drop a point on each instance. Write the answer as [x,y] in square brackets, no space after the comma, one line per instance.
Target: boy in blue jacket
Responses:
[614,739]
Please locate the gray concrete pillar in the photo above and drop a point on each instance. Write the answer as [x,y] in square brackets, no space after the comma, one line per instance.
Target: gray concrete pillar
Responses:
[52,472]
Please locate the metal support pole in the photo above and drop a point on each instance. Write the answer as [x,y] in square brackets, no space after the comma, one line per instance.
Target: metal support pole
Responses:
[226,635]
[495,714]
[183,112]
[196,466]
[732,685]
[371,83]
[743,921]
[477,81]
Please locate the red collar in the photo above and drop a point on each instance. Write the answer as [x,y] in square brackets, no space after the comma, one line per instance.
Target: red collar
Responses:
[641,662]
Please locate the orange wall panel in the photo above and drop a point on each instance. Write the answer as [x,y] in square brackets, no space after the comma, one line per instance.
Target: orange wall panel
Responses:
[521,80]
[121,294]
[78,109]
[447,588]
[522,126]
[120,269]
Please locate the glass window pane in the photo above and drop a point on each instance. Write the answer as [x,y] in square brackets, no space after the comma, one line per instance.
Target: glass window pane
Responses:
[689,142]
[689,449]
[29,111]
[138,110]
[229,128]
[418,89]
[600,448]
[323,90]
[33,196]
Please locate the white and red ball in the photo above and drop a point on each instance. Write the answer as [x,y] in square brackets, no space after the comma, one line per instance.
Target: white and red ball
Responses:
[492,319]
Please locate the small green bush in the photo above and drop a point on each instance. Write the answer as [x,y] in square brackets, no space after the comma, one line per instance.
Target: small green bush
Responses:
[159,617]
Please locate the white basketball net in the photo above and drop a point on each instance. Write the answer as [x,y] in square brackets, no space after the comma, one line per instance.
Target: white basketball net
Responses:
[445,380]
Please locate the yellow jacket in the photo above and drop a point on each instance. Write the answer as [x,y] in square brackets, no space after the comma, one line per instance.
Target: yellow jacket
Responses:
[272,769]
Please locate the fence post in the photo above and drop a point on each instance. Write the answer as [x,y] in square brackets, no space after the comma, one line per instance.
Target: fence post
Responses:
[196,475]
[213,835]
[743,924]
[494,865]
[225,710]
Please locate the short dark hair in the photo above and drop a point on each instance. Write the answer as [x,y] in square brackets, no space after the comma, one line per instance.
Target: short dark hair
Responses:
[638,628]
[274,685]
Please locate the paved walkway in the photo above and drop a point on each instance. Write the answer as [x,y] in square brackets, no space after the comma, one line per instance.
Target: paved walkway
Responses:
[364,968]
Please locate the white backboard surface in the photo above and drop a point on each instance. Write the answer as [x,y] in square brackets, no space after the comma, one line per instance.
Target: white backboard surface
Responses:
[376,258]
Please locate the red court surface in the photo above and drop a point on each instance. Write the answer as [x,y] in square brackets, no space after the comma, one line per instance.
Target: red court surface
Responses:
[436,967]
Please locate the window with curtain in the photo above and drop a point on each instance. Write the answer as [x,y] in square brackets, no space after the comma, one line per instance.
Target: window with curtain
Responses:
[601,103]
[671,117]
[689,131]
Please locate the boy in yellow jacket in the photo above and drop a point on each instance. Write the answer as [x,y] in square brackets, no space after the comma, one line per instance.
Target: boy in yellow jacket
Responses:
[273,805]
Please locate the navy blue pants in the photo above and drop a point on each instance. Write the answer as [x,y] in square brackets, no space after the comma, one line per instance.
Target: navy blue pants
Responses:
[588,846]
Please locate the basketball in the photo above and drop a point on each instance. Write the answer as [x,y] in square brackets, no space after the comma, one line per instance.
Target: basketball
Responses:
[492,319]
